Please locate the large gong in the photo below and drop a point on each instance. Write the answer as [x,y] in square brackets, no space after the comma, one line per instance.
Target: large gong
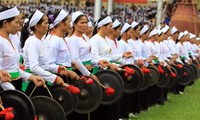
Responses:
[23,108]
[111,79]
[47,108]
[164,81]
[134,82]
[187,76]
[90,96]
[65,98]
[172,80]
[154,74]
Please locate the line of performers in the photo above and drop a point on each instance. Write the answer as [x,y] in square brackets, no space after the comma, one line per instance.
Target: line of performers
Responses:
[103,72]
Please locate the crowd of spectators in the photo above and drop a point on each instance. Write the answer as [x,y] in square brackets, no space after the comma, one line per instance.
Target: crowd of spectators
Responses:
[125,13]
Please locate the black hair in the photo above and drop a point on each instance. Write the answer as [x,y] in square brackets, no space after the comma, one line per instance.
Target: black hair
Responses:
[146,32]
[76,21]
[125,31]
[96,27]
[136,27]
[115,28]
[52,19]
[120,37]
[176,32]
[159,35]
[141,28]
[167,30]
[177,40]
[25,32]
[8,19]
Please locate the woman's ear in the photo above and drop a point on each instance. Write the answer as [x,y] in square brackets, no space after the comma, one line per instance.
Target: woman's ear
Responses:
[103,27]
[75,25]
[126,34]
[37,26]
[5,23]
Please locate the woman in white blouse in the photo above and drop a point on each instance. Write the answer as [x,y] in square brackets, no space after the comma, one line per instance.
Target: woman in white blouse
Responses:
[126,33]
[57,46]
[114,43]
[80,49]
[181,49]
[136,45]
[100,45]
[144,54]
[9,56]
[112,38]
[35,55]
[103,51]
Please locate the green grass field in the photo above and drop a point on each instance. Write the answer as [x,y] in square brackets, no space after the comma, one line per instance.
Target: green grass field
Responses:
[178,107]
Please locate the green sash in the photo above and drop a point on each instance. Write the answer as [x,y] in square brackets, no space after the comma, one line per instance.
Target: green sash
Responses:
[21,59]
[94,70]
[26,84]
[87,62]
[156,60]
[183,57]
[14,75]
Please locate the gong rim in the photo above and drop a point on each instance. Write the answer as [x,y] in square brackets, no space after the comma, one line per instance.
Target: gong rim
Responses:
[136,82]
[195,71]
[65,98]
[154,71]
[89,98]
[163,81]
[42,103]
[173,81]
[10,98]
[118,85]
[186,80]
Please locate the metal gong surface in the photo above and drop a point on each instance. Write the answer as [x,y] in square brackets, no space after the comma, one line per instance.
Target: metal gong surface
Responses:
[135,82]
[195,69]
[90,96]
[111,79]
[23,108]
[187,79]
[155,76]
[163,81]
[65,98]
[47,108]
[173,80]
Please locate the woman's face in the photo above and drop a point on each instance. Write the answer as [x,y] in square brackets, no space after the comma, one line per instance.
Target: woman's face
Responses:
[82,25]
[175,36]
[154,39]
[20,18]
[12,26]
[43,27]
[137,32]
[182,39]
[89,30]
[158,38]
[67,25]
[108,29]
[147,35]
[129,33]
[117,32]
